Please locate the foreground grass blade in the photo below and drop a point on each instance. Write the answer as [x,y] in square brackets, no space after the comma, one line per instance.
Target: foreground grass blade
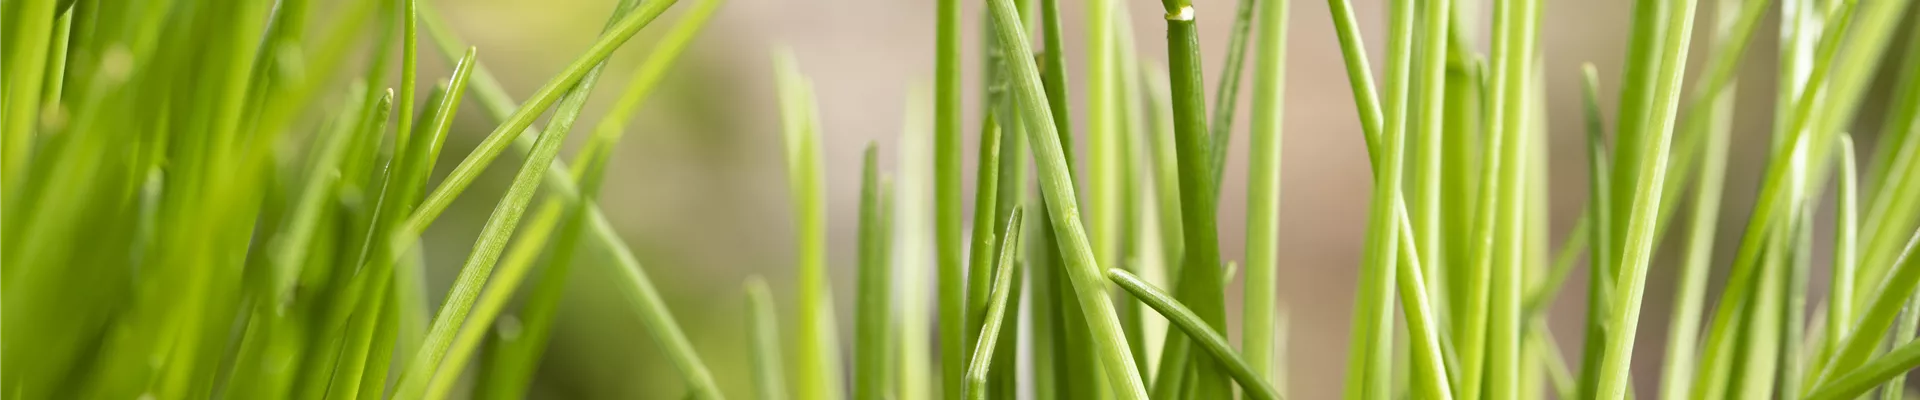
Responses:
[946,196]
[1089,289]
[1892,365]
[1200,284]
[983,351]
[536,314]
[1211,340]
[516,360]
[1263,188]
[1637,252]
[1369,358]
[513,125]
[493,239]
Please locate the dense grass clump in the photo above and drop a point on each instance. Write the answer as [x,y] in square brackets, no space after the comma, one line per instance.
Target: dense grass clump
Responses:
[223,199]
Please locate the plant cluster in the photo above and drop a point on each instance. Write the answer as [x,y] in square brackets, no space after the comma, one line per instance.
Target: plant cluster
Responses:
[212,199]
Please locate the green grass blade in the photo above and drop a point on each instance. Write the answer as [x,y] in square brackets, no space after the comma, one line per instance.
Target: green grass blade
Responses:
[1089,290]
[1226,97]
[873,312]
[1854,384]
[1600,222]
[634,285]
[818,360]
[1679,373]
[26,72]
[409,69]
[1637,252]
[517,361]
[983,242]
[1200,283]
[1427,116]
[946,196]
[1263,188]
[1846,254]
[513,125]
[769,383]
[1209,339]
[915,215]
[983,352]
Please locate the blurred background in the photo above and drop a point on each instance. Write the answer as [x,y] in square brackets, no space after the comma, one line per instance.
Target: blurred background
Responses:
[698,188]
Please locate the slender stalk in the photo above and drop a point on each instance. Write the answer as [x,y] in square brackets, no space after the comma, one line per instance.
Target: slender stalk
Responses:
[946,195]
[1600,220]
[1200,283]
[1211,340]
[914,215]
[513,125]
[1372,337]
[1226,98]
[873,313]
[763,329]
[1846,256]
[1638,251]
[1084,275]
[1428,134]
[818,360]
[1002,282]
[1263,189]
[26,73]
[1678,372]
[493,239]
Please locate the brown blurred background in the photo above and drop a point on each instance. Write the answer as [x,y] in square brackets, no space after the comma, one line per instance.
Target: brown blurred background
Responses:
[697,187]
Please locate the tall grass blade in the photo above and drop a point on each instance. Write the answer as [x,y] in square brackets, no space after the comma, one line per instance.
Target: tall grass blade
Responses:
[818,349]
[1263,188]
[873,313]
[1089,290]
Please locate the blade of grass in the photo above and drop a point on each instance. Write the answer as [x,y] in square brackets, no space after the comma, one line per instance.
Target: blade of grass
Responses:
[1600,219]
[873,313]
[976,387]
[1678,369]
[506,217]
[769,383]
[1106,203]
[1705,138]
[1370,359]
[658,320]
[1226,97]
[1199,284]
[25,69]
[946,195]
[818,360]
[512,126]
[1089,289]
[1263,186]
[915,217]
[1892,365]
[517,360]
[1427,116]
[1216,345]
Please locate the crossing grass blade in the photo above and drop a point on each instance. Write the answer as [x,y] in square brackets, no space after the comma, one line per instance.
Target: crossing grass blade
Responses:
[1215,344]
[1004,266]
